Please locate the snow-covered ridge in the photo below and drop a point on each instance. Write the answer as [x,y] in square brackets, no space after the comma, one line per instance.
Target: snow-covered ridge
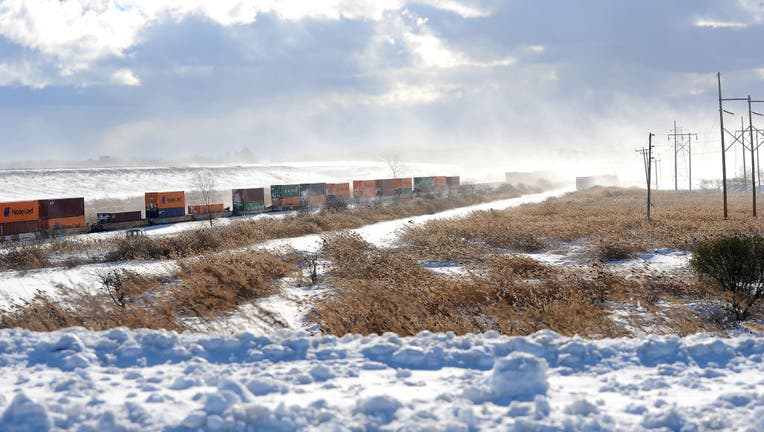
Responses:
[152,380]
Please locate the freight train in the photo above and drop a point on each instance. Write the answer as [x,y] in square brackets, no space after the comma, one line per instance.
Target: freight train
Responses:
[50,217]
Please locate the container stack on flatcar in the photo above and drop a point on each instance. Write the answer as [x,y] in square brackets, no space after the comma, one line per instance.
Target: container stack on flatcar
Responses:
[404,186]
[285,197]
[364,189]
[62,213]
[453,183]
[338,191]
[313,193]
[20,217]
[246,201]
[163,206]
[385,187]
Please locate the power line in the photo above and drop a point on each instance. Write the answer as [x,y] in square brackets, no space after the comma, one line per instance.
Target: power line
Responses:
[681,146]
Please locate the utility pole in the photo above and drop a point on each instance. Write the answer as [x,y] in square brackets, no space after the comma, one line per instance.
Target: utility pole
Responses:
[742,132]
[647,158]
[657,162]
[681,146]
[753,165]
[722,130]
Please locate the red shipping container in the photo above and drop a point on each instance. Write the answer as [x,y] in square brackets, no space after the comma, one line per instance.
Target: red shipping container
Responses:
[404,183]
[12,228]
[62,208]
[339,190]
[202,209]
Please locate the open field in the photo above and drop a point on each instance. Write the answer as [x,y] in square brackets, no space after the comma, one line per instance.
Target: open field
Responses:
[560,264]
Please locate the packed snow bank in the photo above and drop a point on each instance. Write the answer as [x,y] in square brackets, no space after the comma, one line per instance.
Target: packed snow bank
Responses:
[132,380]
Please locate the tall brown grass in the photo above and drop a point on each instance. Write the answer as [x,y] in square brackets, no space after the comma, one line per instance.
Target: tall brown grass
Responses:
[201,288]
[379,290]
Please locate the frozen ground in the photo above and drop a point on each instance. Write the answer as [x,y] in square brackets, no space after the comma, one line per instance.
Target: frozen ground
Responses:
[98,183]
[147,380]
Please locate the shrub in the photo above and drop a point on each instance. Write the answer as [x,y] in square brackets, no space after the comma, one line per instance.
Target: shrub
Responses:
[736,265]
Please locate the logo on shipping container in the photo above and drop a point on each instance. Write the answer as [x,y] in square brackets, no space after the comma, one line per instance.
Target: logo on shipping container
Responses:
[20,212]
[164,199]
[7,212]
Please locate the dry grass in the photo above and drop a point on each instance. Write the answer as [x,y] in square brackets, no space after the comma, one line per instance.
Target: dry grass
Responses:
[203,288]
[379,290]
[611,221]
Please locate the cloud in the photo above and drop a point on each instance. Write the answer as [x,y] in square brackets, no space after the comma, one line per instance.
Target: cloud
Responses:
[720,24]
[125,77]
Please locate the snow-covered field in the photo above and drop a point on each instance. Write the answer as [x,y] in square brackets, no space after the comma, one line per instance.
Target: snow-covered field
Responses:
[148,380]
[100,183]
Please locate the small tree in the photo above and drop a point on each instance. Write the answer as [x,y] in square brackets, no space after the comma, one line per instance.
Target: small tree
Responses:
[393,162]
[736,264]
[204,184]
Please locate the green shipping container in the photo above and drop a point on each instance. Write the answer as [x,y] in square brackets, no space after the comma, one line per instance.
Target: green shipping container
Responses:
[422,182]
[249,206]
[404,191]
[285,191]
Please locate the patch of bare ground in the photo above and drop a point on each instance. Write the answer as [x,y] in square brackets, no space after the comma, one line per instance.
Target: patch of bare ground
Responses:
[202,289]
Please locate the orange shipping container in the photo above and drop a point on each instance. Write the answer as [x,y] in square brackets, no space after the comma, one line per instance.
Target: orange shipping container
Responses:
[19,211]
[202,209]
[439,181]
[338,189]
[404,183]
[165,200]
[317,199]
[63,223]
[364,188]
[287,202]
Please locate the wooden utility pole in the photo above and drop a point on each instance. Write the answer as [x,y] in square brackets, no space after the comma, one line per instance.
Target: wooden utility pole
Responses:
[647,158]
[753,161]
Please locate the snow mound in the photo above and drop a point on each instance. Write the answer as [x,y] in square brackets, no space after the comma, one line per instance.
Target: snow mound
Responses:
[156,380]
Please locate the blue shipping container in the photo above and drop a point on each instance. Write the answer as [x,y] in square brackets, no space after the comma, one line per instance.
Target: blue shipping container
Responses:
[165,213]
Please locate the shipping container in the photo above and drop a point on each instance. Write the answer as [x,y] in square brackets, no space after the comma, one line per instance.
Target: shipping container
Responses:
[423,184]
[440,182]
[385,187]
[62,223]
[452,182]
[19,211]
[364,189]
[404,183]
[203,209]
[286,203]
[247,207]
[285,191]
[248,195]
[338,190]
[62,208]
[165,200]
[117,217]
[23,227]
[157,213]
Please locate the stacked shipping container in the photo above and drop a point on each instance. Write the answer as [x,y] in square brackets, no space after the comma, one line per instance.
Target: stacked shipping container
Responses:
[313,193]
[364,189]
[248,200]
[162,205]
[19,217]
[403,186]
[62,213]
[338,191]
[285,196]
[385,187]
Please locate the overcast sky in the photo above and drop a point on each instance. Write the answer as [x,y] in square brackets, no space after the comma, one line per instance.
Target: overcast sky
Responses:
[512,80]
